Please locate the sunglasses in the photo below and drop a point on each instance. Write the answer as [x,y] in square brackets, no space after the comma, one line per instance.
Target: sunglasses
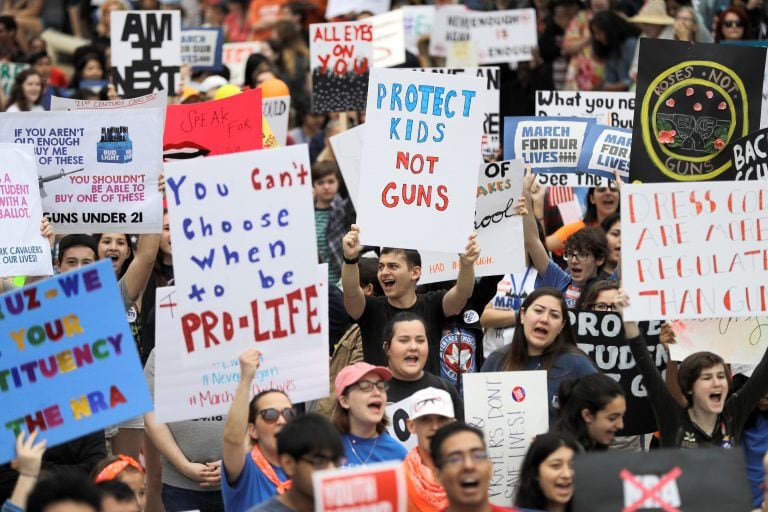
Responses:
[271,415]
[732,24]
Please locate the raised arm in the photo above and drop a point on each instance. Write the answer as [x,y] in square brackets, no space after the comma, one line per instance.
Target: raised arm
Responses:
[533,245]
[354,298]
[233,447]
[28,459]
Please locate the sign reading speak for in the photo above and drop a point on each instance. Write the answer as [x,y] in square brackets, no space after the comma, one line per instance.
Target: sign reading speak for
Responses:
[421,152]
[695,250]
[69,363]
[371,487]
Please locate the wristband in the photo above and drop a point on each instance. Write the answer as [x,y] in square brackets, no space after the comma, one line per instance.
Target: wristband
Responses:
[28,475]
[353,261]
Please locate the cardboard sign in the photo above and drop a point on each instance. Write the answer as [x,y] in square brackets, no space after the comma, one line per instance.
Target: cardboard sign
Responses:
[229,125]
[201,48]
[8,73]
[341,7]
[499,229]
[693,102]
[340,58]
[276,111]
[152,100]
[420,156]
[669,480]
[511,408]
[378,486]
[749,157]
[417,21]
[398,413]
[98,171]
[226,255]
[23,251]
[388,39]
[601,337]
[205,388]
[348,150]
[146,51]
[235,56]
[605,150]
[736,340]
[694,250]
[616,109]
[70,365]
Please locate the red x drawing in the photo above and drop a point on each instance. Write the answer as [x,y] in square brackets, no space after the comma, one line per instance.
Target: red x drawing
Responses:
[652,492]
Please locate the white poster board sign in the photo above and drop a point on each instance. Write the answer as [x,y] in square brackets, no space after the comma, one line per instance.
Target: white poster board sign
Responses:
[235,55]
[277,110]
[417,21]
[736,340]
[388,39]
[341,7]
[348,149]
[152,100]
[616,109]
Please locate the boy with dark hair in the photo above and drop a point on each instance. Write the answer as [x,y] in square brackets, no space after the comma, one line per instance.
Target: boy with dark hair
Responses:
[334,215]
[66,491]
[117,497]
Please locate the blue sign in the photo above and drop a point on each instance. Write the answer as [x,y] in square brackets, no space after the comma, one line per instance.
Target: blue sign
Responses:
[201,48]
[546,144]
[606,149]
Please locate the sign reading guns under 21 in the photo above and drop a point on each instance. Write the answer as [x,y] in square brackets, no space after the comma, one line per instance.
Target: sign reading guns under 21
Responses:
[98,171]
[68,364]
[421,152]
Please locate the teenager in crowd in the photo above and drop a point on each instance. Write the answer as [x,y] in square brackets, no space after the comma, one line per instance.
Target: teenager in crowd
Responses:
[117,497]
[611,226]
[600,296]
[546,476]
[124,469]
[27,92]
[601,202]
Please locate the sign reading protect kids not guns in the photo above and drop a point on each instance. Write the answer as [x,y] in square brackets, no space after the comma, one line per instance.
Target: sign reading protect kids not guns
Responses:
[98,171]
[421,153]
[695,250]
[69,366]
[692,102]
[244,272]
[374,487]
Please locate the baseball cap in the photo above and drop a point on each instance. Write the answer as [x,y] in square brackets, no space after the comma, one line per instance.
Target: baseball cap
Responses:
[431,401]
[354,372]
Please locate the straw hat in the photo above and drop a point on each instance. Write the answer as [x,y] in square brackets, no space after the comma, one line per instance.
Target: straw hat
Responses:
[654,12]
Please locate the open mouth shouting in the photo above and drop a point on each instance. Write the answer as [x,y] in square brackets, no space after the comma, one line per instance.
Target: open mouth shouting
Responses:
[183,151]
[388,284]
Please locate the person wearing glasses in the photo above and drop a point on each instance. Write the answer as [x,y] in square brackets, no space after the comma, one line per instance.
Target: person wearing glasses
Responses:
[360,415]
[600,296]
[463,468]
[307,444]
[252,471]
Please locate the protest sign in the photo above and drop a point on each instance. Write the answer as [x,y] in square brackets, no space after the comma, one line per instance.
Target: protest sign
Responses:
[499,229]
[70,362]
[152,100]
[420,154]
[206,387]
[749,156]
[348,150]
[498,36]
[694,250]
[417,22]
[23,251]
[201,48]
[378,486]
[341,7]
[605,150]
[8,73]
[211,128]
[226,255]
[693,102]
[439,39]
[668,480]
[601,337]
[340,56]
[511,408]
[388,39]
[98,171]
[235,55]
[616,109]
[146,51]
[276,111]
[398,413]
[736,340]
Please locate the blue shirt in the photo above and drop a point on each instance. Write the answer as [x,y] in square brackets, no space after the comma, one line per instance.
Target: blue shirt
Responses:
[360,451]
[252,488]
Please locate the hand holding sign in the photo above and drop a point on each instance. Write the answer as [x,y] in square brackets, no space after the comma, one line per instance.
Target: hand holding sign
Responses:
[29,456]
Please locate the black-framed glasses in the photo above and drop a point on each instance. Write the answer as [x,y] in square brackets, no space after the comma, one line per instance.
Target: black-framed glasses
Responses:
[320,461]
[271,415]
[366,386]
[603,306]
[733,23]
[580,255]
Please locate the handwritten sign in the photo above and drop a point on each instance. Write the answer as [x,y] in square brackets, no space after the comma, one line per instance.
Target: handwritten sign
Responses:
[398,413]
[146,51]
[152,100]
[98,171]
[378,486]
[695,250]
[511,408]
[388,38]
[420,147]
[276,111]
[749,156]
[340,58]
[69,365]
[693,102]
[616,109]
[213,128]
[23,251]
[201,48]
[736,340]
[235,55]
[8,73]
[348,149]
[341,7]
[601,337]
[417,22]
[606,149]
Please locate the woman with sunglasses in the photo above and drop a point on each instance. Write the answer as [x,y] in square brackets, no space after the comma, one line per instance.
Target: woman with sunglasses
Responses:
[732,25]
[252,472]
[360,415]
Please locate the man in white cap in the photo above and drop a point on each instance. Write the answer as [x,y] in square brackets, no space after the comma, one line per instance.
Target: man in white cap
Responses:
[431,408]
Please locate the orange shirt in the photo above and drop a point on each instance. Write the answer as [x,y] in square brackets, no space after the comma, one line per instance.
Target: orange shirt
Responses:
[260,11]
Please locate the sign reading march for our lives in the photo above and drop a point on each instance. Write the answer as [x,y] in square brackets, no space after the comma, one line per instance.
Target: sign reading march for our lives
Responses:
[23,251]
[98,171]
[610,148]
[420,155]
[511,408]
[371,487]
[252,268]
[736,340]
[213,128]
[341,55]
[616,109]
[749,156]
[201,48]
[693,101]
[601,337]
[69,366]
[695,250]
[146,51]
